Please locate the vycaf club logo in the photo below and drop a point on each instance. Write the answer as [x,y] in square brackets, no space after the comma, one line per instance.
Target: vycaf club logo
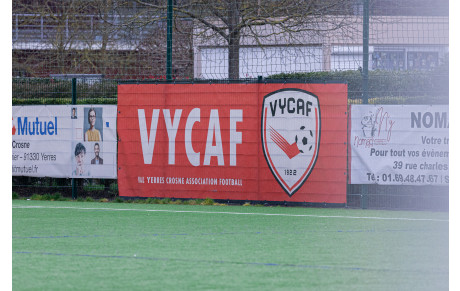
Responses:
[291,127]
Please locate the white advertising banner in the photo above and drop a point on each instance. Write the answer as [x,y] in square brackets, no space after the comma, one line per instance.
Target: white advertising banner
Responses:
[399,144]
[65,141]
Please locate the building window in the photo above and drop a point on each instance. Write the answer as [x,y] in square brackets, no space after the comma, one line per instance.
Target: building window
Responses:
[422,60]
[388,60]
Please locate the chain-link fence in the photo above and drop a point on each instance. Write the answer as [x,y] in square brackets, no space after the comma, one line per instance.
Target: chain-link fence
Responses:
[388,51]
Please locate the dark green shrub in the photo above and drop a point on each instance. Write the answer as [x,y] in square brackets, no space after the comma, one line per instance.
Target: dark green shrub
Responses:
[407,87]
[36,196]
[94,187]
[165,201]
[53,91]
[47,197]
[113,188]
[207,201]
[57,197]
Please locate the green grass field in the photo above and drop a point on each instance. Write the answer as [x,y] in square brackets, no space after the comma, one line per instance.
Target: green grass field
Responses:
[113,246]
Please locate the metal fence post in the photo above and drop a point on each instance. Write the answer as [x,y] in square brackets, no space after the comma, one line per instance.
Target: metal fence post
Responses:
[74,101]
[365,73]
[365,85]
[169,41]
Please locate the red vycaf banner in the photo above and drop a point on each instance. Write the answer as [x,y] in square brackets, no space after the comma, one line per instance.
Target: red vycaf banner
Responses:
[253,142]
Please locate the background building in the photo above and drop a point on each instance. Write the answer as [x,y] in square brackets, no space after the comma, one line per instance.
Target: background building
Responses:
[127,40]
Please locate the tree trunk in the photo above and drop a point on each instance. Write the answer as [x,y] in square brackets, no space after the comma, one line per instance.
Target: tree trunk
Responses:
[233,40]
[234,56]
[105,35]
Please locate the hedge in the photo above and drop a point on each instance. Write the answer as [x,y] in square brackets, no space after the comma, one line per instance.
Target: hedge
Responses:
[390,87]
[52,91]
[411,86]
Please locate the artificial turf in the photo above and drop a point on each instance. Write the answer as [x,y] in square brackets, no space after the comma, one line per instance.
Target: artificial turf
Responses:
[112,246]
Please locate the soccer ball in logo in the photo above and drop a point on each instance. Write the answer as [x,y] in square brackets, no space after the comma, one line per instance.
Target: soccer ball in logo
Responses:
[302,139]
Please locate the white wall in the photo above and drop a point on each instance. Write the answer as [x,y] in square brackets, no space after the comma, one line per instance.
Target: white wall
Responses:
[212,63]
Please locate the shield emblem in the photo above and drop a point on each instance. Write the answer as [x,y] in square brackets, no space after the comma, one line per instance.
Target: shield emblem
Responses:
[291,127]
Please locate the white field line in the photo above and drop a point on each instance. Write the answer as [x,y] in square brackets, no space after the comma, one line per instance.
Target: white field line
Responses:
[238,213]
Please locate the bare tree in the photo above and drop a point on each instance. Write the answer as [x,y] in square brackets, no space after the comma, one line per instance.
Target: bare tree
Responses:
[128,37]
[57,36]
[232,20]
[109,37]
